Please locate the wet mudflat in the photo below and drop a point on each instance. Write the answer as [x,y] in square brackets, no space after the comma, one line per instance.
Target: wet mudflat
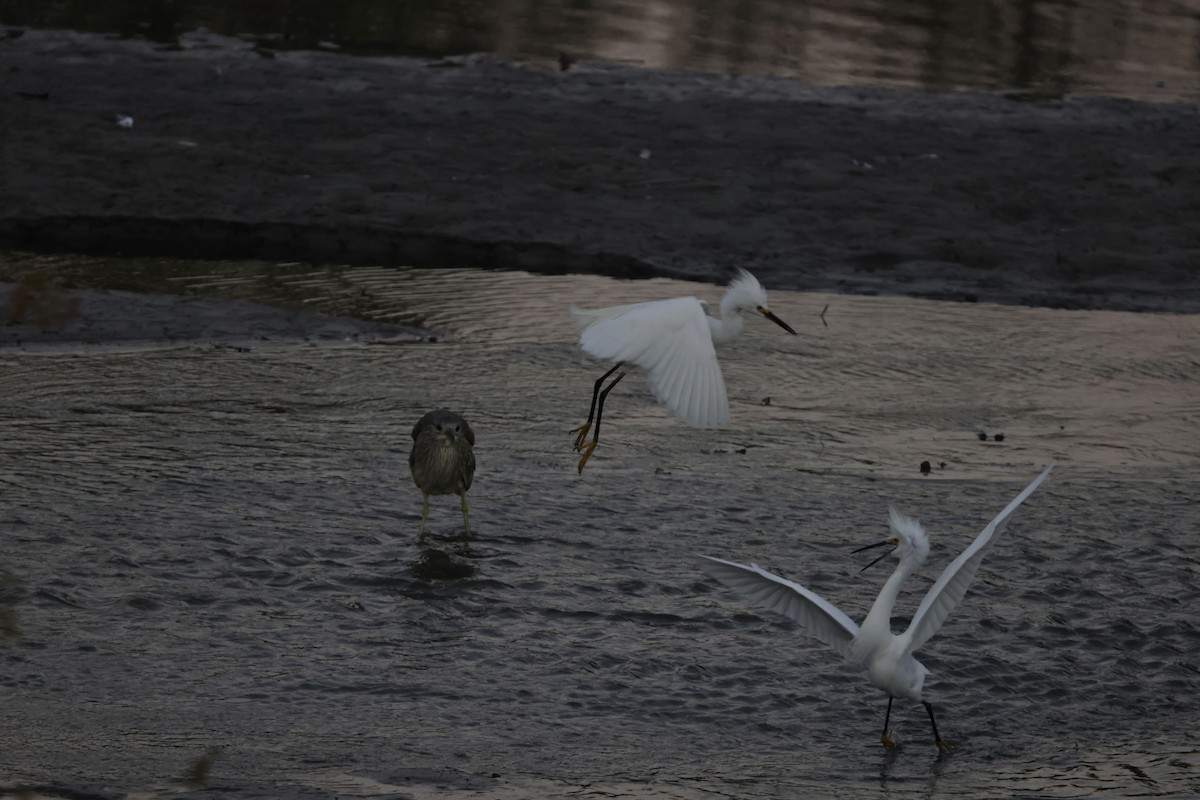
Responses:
[1045,47]
[1063,201]
[214,539]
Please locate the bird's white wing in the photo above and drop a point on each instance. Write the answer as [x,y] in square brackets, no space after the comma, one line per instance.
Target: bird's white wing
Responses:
[821,618]
[672,342]
[954,581]
[584,317]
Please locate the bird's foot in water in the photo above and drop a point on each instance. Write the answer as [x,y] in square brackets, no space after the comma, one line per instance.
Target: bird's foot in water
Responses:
[888,741]
[942,745]
[587,453]
[581,434]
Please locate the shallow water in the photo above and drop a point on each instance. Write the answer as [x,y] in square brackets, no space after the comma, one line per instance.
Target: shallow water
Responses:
[214,547]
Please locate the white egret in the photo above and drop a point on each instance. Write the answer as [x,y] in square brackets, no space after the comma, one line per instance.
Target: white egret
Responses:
[888,657]
[674,342]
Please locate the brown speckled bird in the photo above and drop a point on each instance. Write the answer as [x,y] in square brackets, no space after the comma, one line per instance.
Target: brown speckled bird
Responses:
[443,461]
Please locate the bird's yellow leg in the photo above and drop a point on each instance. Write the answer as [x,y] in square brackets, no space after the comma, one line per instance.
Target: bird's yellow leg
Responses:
[943,746]
[424,516]
[587,453]
[888,741]
[466,516]
[582,432]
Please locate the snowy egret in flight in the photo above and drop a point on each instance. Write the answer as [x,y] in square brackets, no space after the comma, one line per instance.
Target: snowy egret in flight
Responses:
[443,461]
[674,342]
[888,657]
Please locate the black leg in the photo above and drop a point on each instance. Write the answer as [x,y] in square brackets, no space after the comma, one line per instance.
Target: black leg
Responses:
[583,429]
[886,737]
[937,737]
[596,389]
[600,408]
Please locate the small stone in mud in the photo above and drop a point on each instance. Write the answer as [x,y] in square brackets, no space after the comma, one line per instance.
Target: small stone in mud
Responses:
[925,468]
[982,436]
[999,437]
[766,401]
[437,565]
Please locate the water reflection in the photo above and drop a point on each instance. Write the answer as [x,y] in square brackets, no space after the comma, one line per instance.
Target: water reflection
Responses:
[1136,49]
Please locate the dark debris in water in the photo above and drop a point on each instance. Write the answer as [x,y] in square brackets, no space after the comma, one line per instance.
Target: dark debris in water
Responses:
[197,772]
[438,565]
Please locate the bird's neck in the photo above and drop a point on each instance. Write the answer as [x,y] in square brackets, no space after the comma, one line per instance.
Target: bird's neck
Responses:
[727,328]
[879,618]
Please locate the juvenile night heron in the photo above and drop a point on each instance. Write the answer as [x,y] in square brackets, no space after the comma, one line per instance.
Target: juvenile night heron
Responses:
[888,657]
[673,341]
[443,461]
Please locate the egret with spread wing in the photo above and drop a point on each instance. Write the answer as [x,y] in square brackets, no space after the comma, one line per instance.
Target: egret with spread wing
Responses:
[673,341]
[888,657]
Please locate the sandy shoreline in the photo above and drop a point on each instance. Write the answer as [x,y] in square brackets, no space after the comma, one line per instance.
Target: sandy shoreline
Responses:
[1077,203]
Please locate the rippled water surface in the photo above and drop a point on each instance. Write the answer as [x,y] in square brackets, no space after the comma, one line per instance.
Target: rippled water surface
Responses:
[214,546]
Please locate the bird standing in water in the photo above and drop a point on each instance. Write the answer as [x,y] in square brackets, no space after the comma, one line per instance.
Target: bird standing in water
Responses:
[673,341]
[443,461]
[888,657]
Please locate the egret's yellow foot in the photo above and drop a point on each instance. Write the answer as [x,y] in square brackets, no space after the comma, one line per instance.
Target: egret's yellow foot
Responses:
[888,741]
[943,746]
[582,432]
[587,453]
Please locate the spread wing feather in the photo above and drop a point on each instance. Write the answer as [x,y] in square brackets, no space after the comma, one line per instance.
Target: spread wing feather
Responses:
[820,618]
[949,589]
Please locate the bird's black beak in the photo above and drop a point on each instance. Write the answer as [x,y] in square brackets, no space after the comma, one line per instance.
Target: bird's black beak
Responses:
[884,543]
[766,312]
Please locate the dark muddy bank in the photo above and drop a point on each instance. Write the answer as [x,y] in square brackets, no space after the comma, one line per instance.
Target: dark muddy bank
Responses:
[241,153]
